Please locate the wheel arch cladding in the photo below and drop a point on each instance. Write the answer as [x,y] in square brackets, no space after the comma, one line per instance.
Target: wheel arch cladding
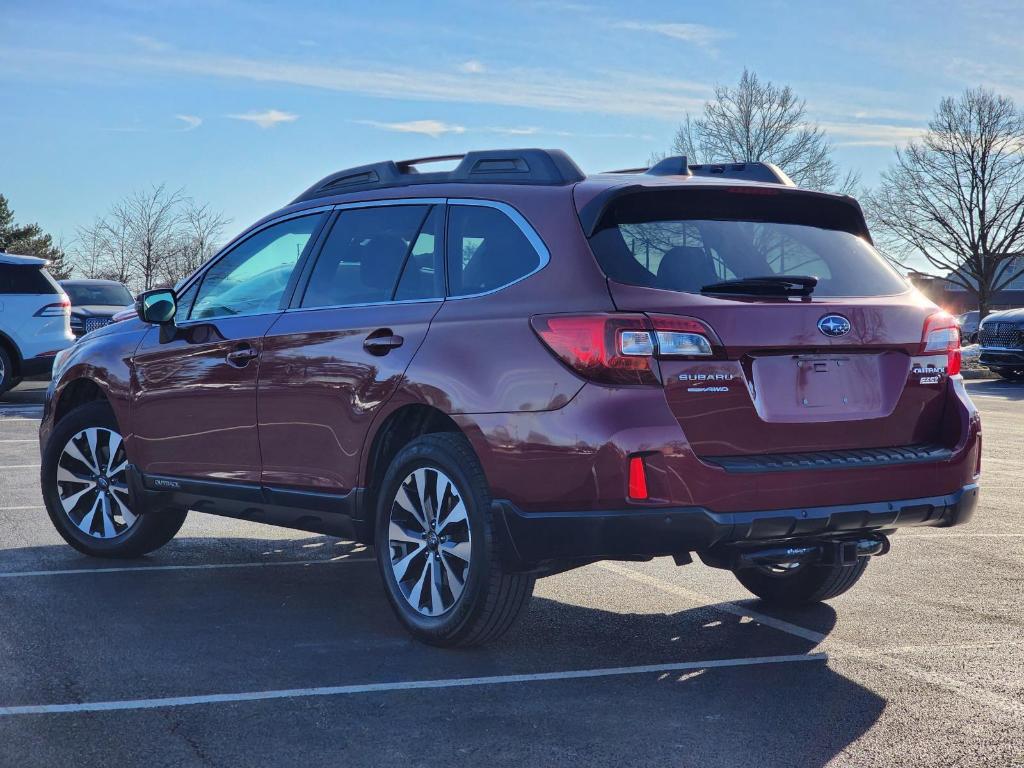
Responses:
[75,393]
[398,429]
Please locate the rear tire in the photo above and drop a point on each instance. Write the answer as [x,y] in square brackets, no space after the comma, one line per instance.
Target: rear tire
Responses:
[7,380]
[804,584]
[1010,374]
[434,512]
[84,483]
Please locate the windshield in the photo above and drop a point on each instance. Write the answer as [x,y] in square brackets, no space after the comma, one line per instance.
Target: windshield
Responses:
[678,253]
[105,294]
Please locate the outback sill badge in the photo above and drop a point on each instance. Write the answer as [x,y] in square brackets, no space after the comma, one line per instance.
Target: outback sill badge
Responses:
[834,325]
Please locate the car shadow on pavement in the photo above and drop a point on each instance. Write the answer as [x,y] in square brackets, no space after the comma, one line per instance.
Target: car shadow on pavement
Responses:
[201,630]
[1002,388]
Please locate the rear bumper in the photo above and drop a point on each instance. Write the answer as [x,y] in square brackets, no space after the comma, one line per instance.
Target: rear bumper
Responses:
[533,538]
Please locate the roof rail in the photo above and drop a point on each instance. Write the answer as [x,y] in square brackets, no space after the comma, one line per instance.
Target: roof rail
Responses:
[550,167]
[677,165]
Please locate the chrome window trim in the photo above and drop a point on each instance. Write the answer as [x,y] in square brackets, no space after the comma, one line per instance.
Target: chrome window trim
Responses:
[541,249]
[520,221]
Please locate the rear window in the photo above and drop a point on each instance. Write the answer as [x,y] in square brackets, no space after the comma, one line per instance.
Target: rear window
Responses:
[16,278]
[685,241]
[106,294]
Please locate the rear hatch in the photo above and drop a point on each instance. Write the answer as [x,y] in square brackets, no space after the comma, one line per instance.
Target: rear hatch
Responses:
[815,342]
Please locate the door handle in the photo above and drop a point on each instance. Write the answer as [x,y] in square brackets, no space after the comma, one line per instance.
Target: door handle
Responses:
[382,341]
[241,355]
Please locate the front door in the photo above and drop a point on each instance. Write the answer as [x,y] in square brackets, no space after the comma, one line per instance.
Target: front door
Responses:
[194,404]
[340,352]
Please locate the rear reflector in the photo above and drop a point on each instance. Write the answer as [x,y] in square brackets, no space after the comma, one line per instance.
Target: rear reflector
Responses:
[637,479]
[942,335]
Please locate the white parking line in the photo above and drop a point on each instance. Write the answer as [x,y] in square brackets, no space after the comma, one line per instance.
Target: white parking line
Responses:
[15,509]
[412,685]
[26,440]
[20,466]
[196,567]
[838,648]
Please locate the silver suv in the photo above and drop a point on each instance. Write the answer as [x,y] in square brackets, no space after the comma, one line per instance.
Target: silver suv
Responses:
[34,319]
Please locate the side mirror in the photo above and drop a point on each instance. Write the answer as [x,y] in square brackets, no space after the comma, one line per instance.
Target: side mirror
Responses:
[158,306]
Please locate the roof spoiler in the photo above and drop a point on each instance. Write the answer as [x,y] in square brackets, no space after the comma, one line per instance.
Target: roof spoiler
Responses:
[594,211]
[551,167]
[678,165]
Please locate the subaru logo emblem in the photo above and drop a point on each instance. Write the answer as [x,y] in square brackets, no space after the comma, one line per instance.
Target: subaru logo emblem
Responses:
[834,325]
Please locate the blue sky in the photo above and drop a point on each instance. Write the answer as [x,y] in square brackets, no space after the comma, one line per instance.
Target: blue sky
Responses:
[245,103]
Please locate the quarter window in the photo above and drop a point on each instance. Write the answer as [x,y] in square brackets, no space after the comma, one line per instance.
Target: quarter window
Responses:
[251,279]
[367,251]
[486,250]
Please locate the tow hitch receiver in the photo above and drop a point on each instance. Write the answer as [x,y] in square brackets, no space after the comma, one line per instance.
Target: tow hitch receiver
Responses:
[829,552]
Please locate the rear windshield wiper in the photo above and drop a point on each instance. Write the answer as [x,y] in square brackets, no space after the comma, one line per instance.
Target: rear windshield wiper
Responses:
[772,285]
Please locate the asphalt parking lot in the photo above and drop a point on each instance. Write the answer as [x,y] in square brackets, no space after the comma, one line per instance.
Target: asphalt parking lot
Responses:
[244,645]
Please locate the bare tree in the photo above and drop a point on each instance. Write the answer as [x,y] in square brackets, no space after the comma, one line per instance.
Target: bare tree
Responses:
[198,238]
[761,122]
[956,196]
[150,238]
[152,219]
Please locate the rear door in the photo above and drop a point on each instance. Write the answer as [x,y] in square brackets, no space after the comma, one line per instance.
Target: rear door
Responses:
[341,350]
[841,368]
[194,407]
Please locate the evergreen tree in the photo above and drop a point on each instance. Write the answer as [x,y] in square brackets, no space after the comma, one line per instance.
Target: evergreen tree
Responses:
[30,240]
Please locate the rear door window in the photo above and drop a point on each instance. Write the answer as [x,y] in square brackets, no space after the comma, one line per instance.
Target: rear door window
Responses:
[378,254]
[486,250]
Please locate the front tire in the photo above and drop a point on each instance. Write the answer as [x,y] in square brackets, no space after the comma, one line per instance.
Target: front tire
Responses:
[84,481]
[801,584]
[437,549]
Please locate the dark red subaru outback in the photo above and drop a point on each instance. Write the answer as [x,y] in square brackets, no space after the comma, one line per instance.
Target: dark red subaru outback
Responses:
[510,369]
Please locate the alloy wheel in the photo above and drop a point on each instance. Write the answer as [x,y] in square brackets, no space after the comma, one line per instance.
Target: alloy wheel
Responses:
[92,483]
[429,539]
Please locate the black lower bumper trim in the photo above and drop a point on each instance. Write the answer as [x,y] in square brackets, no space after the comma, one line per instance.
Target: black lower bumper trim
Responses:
[1002,358]
[537,537]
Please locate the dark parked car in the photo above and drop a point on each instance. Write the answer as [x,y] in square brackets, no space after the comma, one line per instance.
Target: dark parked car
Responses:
[94,303]
[1001,336]
[511,369]
[968,323]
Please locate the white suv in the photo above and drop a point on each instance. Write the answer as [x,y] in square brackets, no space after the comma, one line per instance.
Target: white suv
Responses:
[34,319]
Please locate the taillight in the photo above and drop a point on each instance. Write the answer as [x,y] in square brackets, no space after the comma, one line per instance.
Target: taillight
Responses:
[942,335]
[622,348]
[592,345]
[58,309]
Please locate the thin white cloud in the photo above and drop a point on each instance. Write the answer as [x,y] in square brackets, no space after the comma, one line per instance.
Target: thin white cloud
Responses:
[432,128]
[472,67]
[604,92]
[149,43]
[438,128]
[697,34]
[268,118]
[191,121]
[852,134]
